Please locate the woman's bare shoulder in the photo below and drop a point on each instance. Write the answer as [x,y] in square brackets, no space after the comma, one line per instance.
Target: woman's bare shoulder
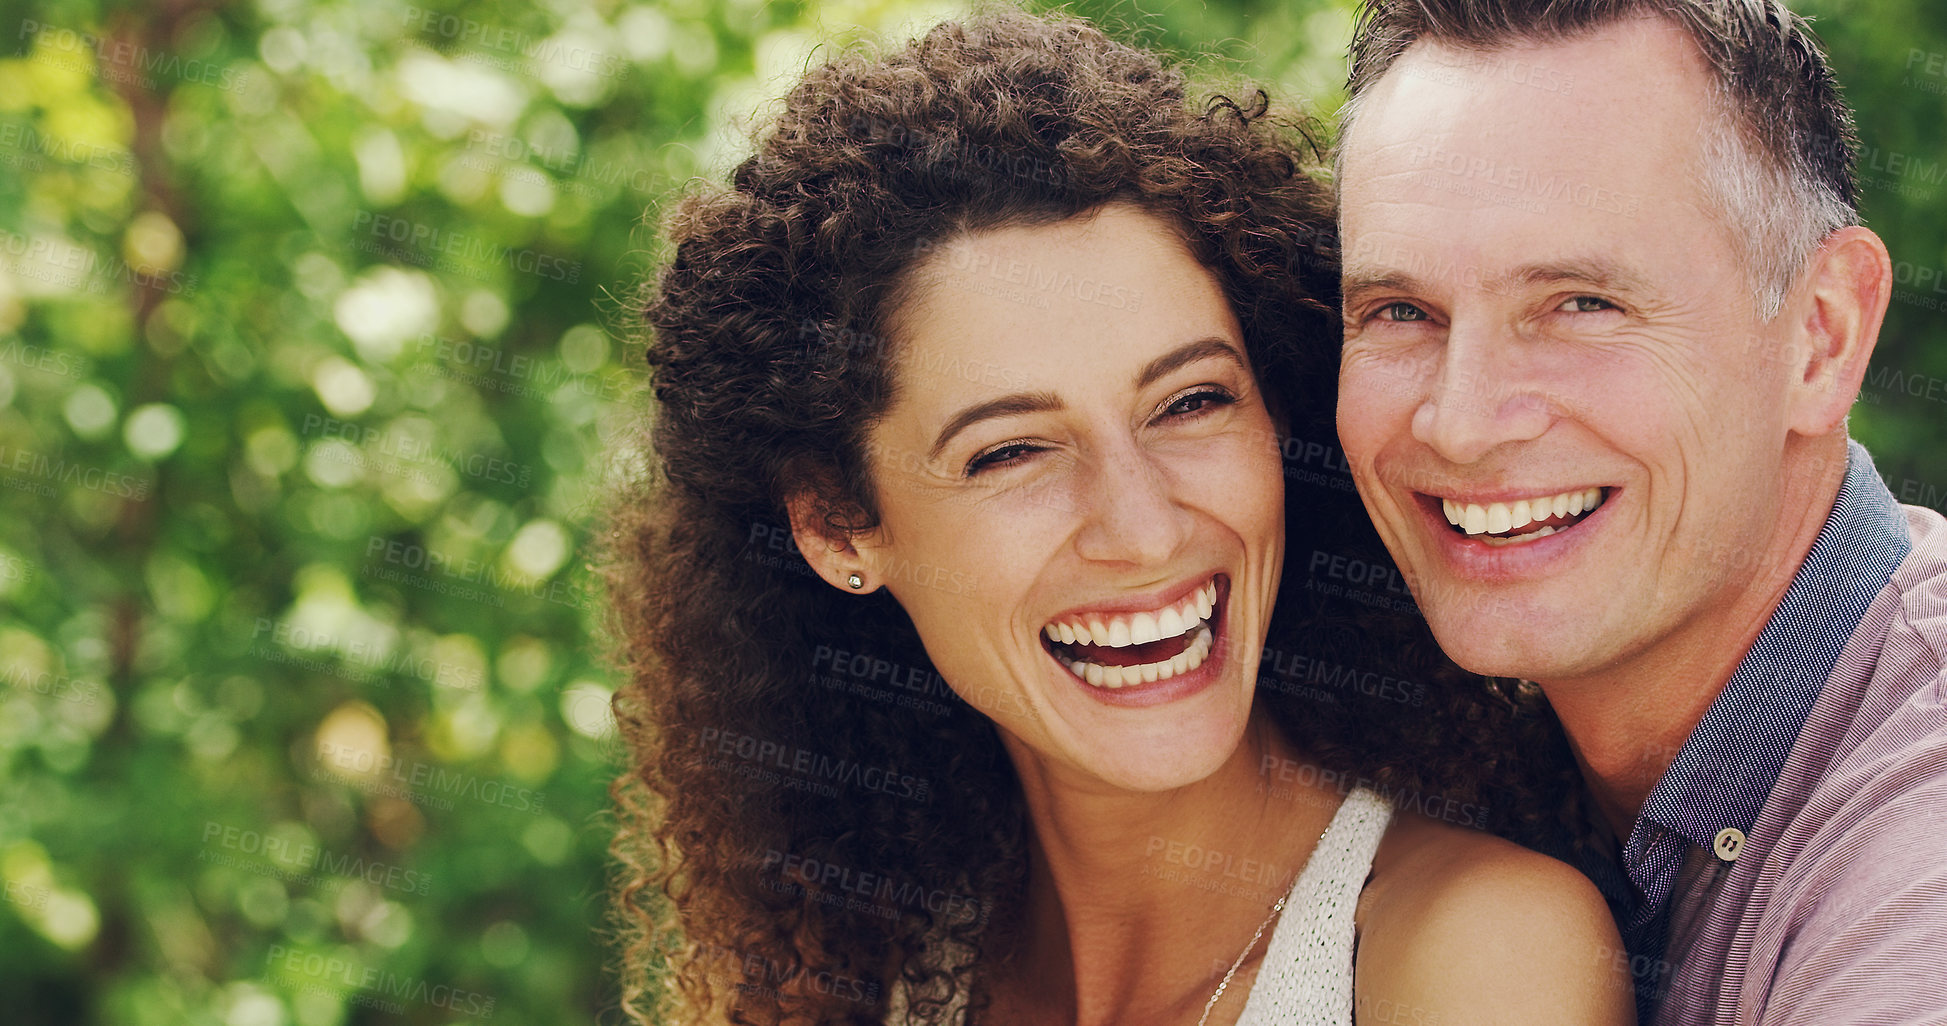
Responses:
[1426,859]
[1475,929]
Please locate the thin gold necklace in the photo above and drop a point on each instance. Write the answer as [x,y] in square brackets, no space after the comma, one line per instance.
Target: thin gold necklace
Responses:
[1234,966]
[1276,908]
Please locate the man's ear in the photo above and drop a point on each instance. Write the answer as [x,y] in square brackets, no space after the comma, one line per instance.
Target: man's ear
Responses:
[1850,281]
[833,552]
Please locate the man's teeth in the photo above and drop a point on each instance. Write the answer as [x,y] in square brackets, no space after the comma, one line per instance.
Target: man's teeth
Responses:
[1502,517]
[1146,673]
[1536,535]
[1124,630]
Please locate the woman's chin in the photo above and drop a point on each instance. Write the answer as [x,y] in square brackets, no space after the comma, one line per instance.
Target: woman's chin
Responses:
[1165,756]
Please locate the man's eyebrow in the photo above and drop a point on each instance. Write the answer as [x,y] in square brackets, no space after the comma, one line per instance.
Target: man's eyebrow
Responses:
[1047,402]
[1596,273]
[1358,280]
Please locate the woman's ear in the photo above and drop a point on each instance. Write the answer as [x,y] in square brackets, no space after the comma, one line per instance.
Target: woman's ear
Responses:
[828,548]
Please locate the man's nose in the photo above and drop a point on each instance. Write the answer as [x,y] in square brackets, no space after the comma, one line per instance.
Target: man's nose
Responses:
[1481,395]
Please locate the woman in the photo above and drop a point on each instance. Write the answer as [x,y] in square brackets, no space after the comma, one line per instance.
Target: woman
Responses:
[1001,340]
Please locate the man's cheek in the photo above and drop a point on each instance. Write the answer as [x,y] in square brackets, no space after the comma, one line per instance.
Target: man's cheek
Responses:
[1359,421]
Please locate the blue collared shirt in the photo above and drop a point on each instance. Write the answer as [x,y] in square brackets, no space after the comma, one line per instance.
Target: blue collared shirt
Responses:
[1726,768]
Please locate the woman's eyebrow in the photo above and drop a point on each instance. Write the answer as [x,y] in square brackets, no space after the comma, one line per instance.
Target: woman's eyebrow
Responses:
[1183,356]
[1005,406]
[1048,402]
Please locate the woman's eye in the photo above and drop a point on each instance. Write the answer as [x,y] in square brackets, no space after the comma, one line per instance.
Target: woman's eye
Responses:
[1003,455]
[1585,304]
[1197,402]
[1401,312]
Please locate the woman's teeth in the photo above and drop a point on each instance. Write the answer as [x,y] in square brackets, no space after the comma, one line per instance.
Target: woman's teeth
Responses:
[1146,673]
[1500,518]
[1190,617]
[1123,630]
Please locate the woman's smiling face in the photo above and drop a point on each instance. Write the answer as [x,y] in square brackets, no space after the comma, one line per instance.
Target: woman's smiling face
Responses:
[1081,495]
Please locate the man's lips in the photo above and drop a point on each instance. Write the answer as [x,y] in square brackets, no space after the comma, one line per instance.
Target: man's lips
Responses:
[1517,520]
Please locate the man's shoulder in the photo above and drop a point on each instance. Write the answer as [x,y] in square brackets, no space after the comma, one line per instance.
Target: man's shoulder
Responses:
[1902,651]
[1926,529]
[1885,717]
[1921,579]
[1864,893]
[1851,882]
[1871,765]
[1851,861]
[1891,671]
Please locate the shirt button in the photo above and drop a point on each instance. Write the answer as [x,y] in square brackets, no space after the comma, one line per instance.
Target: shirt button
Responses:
[1730,841]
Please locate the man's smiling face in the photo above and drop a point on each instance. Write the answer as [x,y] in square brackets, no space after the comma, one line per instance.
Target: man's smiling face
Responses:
[1557,397]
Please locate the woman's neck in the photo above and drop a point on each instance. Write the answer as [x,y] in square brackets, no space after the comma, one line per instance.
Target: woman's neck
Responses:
[1138,902]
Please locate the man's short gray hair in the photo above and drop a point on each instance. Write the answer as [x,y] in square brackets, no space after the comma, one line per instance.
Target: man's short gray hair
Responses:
[1778,160]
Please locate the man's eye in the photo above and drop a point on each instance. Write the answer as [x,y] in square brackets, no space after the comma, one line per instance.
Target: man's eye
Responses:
[1003,455]
[1401,312]
[1585,304]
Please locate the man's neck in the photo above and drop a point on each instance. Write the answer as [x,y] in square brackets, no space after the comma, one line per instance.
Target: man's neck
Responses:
[1627,724]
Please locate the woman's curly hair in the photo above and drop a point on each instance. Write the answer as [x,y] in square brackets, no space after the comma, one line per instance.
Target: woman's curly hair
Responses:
[791,748]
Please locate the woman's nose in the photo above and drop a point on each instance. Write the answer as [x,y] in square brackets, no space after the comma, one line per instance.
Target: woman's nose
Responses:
[1131,509]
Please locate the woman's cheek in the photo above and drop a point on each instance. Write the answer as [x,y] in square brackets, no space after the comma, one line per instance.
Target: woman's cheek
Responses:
[1242,465]
[1048,497]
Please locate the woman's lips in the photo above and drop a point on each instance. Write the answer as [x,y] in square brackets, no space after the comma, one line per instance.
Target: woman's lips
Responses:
[1134,649]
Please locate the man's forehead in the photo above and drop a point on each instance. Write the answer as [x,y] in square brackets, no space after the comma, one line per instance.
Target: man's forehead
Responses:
[1611,70]
[1604,124]
[1637,36]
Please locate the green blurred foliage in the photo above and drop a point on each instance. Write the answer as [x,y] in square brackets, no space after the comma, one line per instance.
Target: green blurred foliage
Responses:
[1891,59]
[314,341]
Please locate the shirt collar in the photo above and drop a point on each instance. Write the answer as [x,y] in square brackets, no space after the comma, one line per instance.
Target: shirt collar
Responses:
[1726,768]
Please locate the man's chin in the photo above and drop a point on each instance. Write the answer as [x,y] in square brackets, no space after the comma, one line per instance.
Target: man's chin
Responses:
[1507,647]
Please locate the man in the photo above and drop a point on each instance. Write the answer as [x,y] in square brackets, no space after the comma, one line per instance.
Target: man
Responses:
[1607,303]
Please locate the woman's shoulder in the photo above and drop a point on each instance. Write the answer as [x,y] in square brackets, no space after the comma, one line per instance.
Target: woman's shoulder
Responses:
[1484,930]
[1428,861]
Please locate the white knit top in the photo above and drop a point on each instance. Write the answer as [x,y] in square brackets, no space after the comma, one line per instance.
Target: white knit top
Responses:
[1306,976]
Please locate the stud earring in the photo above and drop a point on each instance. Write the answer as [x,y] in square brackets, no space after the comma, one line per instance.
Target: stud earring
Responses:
[855,581]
